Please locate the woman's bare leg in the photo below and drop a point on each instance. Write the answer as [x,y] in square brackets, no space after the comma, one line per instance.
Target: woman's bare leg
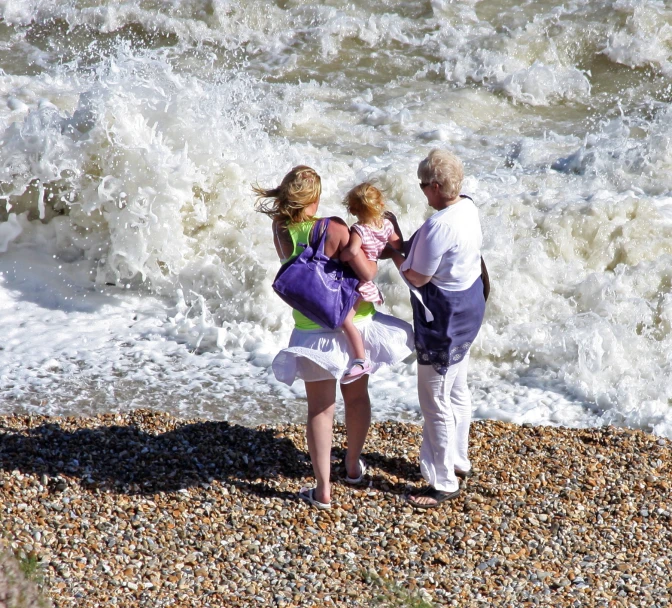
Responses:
[357,421]
[321,403]
[353,335]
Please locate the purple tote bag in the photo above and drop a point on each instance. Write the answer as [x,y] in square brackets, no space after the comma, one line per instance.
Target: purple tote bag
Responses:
[321,288]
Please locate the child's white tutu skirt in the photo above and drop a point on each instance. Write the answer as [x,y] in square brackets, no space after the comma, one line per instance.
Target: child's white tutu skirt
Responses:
[325,354]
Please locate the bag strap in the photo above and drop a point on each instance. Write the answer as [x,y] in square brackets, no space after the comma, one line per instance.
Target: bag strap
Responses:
[486,279]
[319,235]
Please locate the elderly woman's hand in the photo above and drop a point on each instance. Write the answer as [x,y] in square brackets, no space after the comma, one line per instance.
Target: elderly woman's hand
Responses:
[388,215]
[396,241]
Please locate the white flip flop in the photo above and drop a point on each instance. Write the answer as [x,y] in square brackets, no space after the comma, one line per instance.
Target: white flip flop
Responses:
[362,471]
[308,494]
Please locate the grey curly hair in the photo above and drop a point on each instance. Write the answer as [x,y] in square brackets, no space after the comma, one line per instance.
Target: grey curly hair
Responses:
[445,169]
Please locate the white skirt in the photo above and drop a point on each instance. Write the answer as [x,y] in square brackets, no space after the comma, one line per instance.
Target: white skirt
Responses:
[325,354]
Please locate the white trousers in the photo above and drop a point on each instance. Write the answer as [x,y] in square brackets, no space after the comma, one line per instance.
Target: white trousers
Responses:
[445,402]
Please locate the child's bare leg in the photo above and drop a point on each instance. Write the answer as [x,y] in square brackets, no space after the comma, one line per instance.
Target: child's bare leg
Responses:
[353,335]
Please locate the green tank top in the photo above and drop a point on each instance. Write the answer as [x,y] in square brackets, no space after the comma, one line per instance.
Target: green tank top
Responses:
[300,233]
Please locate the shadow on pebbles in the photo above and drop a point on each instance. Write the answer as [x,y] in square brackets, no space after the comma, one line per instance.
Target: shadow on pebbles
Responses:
[144,509]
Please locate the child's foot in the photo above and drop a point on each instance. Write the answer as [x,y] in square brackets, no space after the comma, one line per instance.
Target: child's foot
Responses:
[360,367]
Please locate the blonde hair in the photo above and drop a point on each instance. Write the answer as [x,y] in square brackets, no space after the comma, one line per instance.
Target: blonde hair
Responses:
[445,169]
[366,203]
[300,188]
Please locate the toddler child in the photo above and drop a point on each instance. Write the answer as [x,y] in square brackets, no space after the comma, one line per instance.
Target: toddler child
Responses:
[372,232]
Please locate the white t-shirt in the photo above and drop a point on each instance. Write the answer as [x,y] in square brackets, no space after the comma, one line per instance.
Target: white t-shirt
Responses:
[447,247]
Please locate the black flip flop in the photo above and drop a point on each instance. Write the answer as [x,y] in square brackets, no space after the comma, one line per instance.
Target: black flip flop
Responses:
[433,493]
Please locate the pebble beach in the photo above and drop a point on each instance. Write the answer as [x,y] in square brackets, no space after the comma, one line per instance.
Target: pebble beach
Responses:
[145,509]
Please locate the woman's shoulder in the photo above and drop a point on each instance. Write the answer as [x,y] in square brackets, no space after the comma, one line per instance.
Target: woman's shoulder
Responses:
[337,224]
[467,204]
[334,219]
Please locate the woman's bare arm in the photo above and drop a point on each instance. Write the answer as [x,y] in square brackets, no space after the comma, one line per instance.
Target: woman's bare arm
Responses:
[282,240]
[353,247]
[338,237]
[414,278]
[364,268]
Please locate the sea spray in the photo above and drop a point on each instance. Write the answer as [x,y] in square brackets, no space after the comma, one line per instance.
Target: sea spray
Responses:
[135,272]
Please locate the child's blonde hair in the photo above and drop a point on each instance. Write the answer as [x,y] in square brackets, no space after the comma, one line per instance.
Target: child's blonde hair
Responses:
[366,203]
[300,188]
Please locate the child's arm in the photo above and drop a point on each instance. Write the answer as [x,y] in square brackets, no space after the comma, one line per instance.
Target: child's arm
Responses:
[395,224]
[353,247]
[396,240]
[352,254]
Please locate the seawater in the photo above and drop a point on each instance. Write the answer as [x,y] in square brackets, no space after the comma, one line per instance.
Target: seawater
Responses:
[134,272]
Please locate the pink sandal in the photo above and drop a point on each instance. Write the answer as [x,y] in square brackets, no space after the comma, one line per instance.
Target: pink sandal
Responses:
[360,367]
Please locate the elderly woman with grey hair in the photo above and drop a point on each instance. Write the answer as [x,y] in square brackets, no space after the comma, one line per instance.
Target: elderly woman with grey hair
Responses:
[444,270]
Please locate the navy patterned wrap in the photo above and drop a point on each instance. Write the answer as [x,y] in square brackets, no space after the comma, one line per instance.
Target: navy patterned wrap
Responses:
[457,319]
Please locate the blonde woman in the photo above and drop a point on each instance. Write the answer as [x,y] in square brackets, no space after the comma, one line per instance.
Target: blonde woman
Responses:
[320,356]
[444,266]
